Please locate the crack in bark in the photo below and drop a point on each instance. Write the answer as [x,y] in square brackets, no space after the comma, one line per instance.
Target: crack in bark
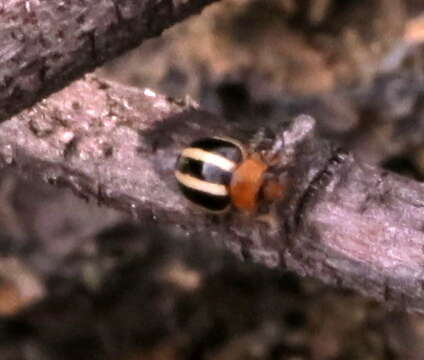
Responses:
[318,183]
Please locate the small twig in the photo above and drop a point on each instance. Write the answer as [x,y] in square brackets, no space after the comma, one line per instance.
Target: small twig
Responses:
[344,222]
[44,45]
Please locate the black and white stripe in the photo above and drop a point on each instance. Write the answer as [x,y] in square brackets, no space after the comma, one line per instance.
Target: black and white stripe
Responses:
[204,171]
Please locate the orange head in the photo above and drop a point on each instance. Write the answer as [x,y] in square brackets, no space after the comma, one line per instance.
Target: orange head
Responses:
[246,182]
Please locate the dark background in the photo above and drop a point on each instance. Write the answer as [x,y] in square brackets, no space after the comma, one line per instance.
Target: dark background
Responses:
[79,280]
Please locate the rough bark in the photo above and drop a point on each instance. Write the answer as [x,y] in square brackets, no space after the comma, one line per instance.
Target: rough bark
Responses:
[46,44]
[342,221]
[362,228]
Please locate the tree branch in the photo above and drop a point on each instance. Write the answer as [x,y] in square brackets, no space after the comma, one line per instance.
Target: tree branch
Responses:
[344,222]
[46,45]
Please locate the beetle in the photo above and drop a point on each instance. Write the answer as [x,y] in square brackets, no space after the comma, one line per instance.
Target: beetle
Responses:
[216,173]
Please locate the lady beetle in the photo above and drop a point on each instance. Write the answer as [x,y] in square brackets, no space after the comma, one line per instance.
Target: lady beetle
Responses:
[217,172]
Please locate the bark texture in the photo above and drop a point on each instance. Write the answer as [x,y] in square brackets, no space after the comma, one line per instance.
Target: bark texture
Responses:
[46,44]
[342,221]
[362,227]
